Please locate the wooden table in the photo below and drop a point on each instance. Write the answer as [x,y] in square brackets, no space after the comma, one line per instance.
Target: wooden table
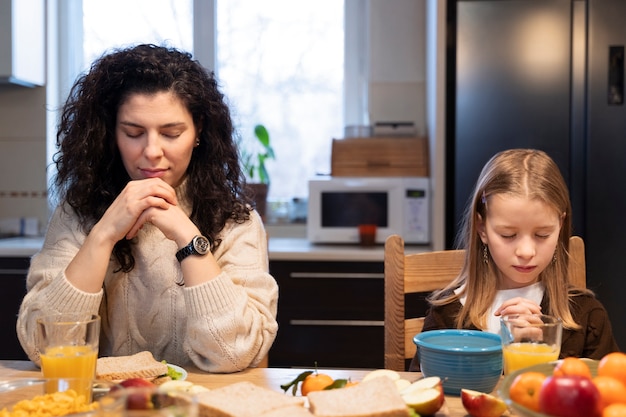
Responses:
[270,378]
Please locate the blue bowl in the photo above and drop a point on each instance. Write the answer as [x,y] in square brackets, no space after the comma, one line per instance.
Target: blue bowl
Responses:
[461,358]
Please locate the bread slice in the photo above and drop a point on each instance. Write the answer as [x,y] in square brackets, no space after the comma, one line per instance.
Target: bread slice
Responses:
[289,411]
[243,399]
[377,397]
[139,365]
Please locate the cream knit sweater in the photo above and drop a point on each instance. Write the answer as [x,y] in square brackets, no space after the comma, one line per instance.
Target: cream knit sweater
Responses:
[224,325]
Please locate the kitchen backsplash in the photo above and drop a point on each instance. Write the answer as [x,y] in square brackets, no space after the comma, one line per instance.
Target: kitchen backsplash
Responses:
[23,185]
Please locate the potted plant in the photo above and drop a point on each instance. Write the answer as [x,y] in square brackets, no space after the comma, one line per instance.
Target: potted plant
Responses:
[253,160]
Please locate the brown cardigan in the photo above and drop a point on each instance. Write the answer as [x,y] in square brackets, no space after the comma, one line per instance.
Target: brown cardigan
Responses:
[593,340]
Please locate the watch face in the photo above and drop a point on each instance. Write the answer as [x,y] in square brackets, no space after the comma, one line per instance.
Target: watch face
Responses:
[201,244]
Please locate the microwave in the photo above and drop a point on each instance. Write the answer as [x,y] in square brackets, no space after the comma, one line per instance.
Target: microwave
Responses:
[397,205]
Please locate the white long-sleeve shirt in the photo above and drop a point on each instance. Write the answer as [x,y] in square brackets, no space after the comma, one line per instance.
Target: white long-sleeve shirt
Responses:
[224,325]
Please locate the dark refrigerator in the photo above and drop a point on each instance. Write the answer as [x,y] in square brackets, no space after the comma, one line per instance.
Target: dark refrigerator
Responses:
[545,74]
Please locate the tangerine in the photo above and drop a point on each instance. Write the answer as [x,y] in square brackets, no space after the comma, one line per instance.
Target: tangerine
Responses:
[572,366]
[525,388]
[613,364]
[615,410]
[315,382]
[612,390]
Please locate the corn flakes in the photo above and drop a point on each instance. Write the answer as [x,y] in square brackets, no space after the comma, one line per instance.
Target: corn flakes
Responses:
[50,405]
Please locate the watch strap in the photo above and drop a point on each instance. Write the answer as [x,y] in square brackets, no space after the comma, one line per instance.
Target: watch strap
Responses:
[185,252]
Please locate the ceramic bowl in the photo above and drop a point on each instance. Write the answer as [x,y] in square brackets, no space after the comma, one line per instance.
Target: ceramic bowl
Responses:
[461,358]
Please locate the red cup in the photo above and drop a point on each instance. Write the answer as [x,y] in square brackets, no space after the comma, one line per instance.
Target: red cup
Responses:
[367,234]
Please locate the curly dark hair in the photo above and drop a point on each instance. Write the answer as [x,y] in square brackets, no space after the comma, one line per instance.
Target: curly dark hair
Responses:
[90,172]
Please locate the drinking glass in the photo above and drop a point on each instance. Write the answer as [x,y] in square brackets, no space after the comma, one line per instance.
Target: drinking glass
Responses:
[529,339]
[68,347]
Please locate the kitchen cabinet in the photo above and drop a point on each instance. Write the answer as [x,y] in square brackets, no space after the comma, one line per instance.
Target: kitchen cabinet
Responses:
[22,42]
[13,272]
[331,304]
[329,313]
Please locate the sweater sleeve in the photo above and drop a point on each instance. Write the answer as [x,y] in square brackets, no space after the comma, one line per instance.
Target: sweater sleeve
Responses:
[48,290]
[595,337]
[232,318]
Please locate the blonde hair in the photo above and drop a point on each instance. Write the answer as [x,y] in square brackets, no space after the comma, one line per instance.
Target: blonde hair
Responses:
[520,172]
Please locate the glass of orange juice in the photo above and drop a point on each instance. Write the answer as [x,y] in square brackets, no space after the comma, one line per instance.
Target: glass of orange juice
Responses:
[529,339]
[68,347]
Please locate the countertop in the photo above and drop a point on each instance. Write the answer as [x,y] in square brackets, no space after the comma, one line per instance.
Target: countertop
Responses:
[20,246]
[280,248]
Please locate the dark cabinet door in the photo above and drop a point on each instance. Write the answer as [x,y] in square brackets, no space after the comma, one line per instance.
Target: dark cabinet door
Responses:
[329,313]
[13,282]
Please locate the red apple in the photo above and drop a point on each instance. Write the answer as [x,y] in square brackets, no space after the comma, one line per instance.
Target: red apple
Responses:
[569,396]
[136,382]
[480,404]
[138,393]
[425,395]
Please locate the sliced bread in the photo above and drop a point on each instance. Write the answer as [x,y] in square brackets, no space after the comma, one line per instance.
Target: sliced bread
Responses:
[243,399]
[139,365]
[289,411]
[378,397]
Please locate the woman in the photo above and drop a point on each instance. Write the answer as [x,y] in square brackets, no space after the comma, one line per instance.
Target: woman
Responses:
[154,231]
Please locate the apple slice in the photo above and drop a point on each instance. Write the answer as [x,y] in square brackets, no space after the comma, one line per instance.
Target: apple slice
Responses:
[480,404]
[425,395]
[388,373]
[402,383]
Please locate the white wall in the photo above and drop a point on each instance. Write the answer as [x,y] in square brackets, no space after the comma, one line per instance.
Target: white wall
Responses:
[397,62]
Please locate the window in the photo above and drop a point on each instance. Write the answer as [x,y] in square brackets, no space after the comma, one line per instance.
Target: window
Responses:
[280,63]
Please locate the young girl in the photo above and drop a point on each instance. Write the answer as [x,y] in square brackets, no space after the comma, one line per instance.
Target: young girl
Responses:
[516,232]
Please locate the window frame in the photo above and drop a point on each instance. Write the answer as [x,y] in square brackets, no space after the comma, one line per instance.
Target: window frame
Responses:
[65,38]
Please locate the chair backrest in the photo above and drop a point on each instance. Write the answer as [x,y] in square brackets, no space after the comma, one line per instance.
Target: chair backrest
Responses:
[424,273]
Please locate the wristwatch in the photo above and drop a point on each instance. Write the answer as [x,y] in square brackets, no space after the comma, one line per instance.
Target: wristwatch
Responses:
[199,245]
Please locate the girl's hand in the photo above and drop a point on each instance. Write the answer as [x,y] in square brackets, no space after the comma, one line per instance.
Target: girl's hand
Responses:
[518,305]
[121,218]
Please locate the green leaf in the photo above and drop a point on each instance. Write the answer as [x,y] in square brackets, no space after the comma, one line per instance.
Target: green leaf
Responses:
[338,383]
[412,412]
[294,384]
[262,134]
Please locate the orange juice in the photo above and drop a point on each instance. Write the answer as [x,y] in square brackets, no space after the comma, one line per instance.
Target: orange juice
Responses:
[71,362]
[520,355]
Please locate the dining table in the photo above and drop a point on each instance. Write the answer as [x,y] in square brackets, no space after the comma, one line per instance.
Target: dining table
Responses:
[271,378]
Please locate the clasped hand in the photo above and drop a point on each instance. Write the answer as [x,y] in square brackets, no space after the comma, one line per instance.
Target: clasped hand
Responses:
[518,305]
[144,201]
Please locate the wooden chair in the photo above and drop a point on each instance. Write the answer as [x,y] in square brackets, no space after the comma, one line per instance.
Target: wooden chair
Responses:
[424,273]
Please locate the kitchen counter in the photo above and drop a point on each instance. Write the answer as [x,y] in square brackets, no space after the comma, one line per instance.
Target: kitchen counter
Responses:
[20,246]
[280,248]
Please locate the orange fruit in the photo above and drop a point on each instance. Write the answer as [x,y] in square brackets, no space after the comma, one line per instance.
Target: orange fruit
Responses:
[612,390]
[613,364]
[571,366]
[351,383]
[614,410]
[315,382]
[525,388]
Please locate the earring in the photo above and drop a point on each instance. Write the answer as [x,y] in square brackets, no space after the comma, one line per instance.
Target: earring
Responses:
[485,255]
[554,258]
[197,141]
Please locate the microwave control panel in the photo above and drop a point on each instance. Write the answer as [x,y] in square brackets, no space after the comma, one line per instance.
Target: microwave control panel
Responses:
[416,209]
